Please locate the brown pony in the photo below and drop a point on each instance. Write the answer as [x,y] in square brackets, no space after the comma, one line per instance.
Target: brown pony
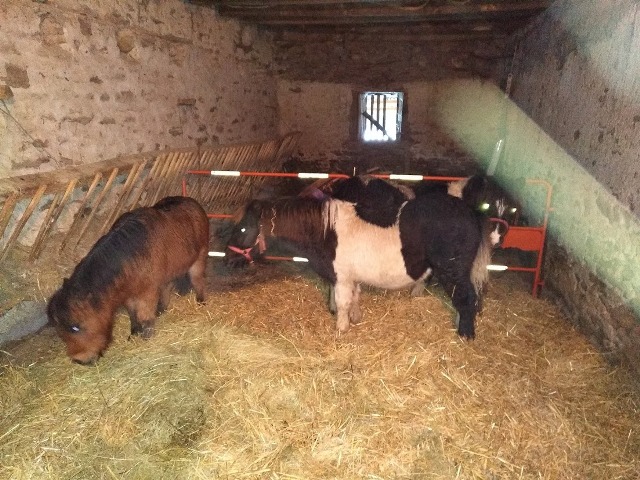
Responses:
[134,265]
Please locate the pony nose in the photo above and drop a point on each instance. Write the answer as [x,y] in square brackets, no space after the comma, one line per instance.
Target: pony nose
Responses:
[87,360]
[500,229]
[87,363]
[239,256]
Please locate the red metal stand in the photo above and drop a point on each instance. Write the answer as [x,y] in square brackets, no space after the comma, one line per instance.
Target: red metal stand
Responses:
[531,239]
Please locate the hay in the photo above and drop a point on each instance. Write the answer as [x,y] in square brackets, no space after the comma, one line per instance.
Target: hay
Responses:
[255,384]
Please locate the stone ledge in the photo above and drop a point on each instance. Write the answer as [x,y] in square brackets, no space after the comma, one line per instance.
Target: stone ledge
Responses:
[25,318]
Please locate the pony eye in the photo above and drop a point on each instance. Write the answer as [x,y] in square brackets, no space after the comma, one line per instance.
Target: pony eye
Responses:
[514,210]
[484,206]
[74,328]
[243,229]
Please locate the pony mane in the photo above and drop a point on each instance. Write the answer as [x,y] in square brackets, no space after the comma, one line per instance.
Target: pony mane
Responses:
[298,219]
[104,262]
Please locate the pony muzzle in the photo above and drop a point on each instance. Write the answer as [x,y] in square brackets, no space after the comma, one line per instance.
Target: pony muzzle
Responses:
[501,227]
[246,252]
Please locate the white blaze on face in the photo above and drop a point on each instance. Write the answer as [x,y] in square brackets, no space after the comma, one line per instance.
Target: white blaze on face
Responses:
[501,207]
[495,237]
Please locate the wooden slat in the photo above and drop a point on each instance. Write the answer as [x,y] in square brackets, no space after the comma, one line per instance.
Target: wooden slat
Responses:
[95,205]
[55,209]
[7,210]
[124,196]
[167,162]
[137,199]
[76,218]
[23,220]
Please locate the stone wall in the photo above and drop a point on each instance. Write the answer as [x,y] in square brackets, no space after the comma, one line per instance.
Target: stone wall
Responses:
[327,115]
[94,80]
[577,78]
[320,77]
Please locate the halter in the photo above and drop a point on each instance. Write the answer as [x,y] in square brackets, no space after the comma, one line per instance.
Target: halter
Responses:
[246,252]
[502,222]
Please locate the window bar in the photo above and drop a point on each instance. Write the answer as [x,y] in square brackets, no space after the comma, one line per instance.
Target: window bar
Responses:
[371,112]
[384,113]
[377,110]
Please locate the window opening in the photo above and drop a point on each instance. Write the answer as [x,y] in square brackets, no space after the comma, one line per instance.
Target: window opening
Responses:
[380,116]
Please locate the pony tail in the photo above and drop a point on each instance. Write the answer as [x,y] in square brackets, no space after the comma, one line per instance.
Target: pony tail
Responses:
[479,272]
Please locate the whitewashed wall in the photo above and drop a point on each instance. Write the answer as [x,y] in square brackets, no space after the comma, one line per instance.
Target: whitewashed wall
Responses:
[577,86]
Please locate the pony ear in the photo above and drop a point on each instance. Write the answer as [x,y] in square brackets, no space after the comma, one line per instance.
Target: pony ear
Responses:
[474,190]
[256,206]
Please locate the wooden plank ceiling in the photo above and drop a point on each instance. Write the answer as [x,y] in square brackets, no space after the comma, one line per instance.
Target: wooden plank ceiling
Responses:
[383,41]
[436,19]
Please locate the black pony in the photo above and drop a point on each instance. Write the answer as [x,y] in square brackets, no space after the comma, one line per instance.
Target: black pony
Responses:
[483,194]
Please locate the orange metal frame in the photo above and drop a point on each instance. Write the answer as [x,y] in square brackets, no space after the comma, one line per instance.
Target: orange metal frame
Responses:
[531,239]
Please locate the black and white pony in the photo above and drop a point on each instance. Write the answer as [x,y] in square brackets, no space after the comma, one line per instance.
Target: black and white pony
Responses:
[433,232]
[376,201]
[379,201]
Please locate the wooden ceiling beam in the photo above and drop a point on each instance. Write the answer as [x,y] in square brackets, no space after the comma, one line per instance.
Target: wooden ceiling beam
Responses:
[402,37]
[362,13]
[460,30]
[305,3]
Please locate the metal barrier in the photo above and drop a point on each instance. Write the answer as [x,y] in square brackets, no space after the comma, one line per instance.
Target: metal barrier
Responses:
[530,239]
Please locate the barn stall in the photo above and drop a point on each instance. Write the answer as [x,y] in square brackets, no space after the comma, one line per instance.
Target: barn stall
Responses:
[255,383]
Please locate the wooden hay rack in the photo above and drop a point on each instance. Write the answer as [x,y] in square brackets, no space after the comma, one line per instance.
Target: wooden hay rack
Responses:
[92,196]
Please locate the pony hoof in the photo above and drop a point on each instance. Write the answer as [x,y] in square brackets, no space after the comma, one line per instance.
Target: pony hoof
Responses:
[147,332]
[342,328]
[90,362]
[417,291]
[465,335]
[143,332]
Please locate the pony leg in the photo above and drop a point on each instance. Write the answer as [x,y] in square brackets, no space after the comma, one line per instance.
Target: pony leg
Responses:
[182,284]
[417,289]
[196,275]
[355,315]
[333,309]
[142,311]
[463,297]
[164,297]
[344,297]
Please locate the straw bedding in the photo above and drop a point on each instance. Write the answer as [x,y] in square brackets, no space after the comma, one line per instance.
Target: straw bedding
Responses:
[255,384]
